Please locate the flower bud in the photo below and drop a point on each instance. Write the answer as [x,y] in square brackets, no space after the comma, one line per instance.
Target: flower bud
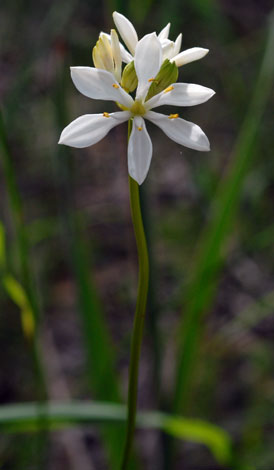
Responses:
[102,54]
[167,75]
[129,78]
[106,54]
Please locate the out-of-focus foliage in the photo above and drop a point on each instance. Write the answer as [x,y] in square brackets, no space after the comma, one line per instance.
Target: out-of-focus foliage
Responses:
[23,417]
[67,251]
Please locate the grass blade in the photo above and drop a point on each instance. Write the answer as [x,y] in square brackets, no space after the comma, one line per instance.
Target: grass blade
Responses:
[19,297]
[21,243]
[199,431]
[23,417]
[23,293]
[203,284]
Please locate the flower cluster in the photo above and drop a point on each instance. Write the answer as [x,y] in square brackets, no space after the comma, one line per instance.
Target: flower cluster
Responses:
[152,69]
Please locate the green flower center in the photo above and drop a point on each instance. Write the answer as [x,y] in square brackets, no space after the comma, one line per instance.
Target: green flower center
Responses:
[138,108]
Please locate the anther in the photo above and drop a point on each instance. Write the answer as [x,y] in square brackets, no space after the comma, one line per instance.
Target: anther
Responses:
[170,88]
[173,116]
[106,114]
[140,128]
[115,85]
[153,80]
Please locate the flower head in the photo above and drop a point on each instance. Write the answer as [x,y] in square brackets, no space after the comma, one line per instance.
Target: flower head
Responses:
[104,83]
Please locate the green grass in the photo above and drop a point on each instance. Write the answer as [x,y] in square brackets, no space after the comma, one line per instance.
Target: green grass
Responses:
[202,286]
[23,418]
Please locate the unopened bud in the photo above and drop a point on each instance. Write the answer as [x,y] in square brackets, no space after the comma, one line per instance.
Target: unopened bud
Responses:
[129,78]
[102,54]
[167,75]
[106,54]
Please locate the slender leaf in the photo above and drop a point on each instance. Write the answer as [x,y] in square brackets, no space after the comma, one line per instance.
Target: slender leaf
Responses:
[203,284]
[2,248]
[23,293]
[21,241]
[23,417]
[20,298]
[26,289]
[212,436]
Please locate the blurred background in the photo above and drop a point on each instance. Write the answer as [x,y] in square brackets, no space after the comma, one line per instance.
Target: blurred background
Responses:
[67,253]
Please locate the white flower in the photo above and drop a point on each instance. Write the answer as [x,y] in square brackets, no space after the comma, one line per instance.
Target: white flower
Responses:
[101,84]
[170,49]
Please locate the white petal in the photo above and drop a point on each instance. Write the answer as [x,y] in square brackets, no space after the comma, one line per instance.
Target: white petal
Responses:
[126,56]
[167,49]
[165,32]
[98,84]
[183,132]
[89,129]
[126,30]
[195,53]
[147,61]
[178,44]
[139,150]
[116,53]
[106,52]
[181,94]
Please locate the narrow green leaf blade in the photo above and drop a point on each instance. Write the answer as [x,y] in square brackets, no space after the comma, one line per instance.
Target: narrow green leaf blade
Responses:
[203,282]
[23,417]
[215,438]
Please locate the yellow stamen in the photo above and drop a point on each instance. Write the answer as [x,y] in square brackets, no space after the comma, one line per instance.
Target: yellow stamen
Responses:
[140,128]
[173,116]
[153,80]
[170,88]
[115,85]
[106,114]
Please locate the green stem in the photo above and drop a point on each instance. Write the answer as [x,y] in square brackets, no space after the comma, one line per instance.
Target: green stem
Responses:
[139,315]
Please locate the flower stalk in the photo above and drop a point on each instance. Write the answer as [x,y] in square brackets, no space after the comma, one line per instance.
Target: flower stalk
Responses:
[152,69]
[140,311]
